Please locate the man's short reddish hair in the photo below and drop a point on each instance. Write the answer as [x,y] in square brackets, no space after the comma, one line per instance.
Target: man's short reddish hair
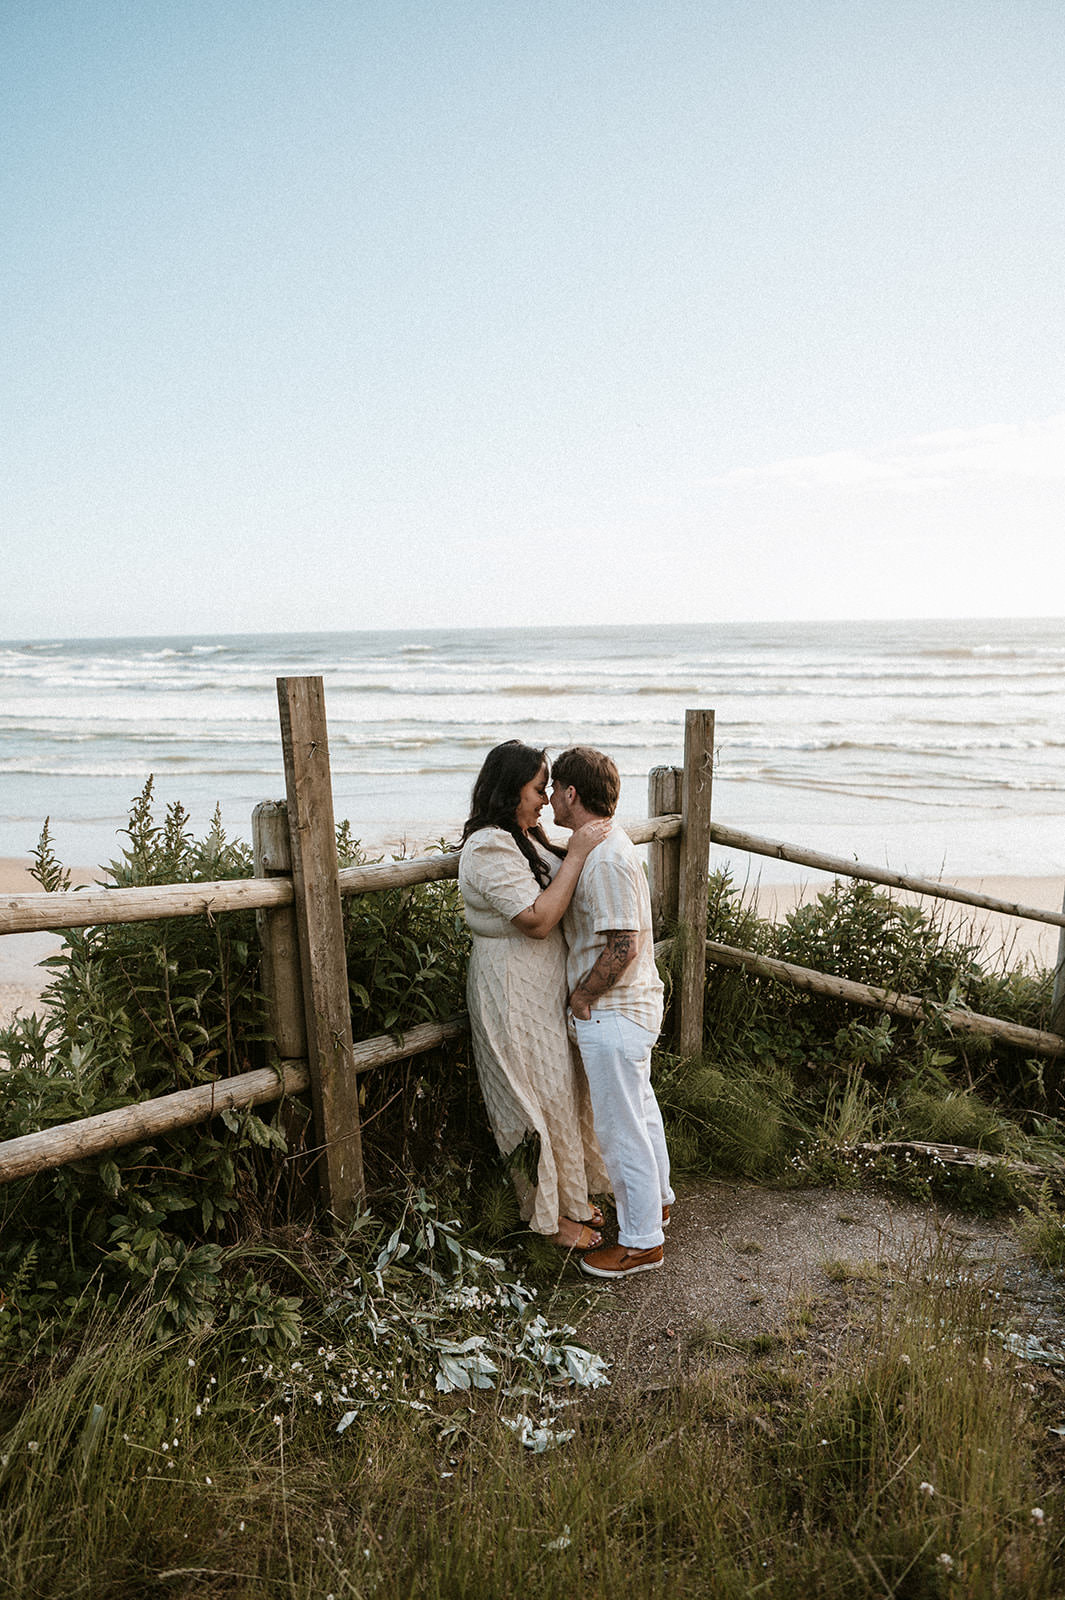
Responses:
[593,775]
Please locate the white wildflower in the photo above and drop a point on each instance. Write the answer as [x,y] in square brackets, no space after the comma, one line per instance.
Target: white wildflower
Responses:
[945,1561]
[1038,1516]
[928,1489]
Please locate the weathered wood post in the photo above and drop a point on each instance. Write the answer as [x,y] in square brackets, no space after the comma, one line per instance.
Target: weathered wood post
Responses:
[279,937]
[281,975]
[1057,1005]
[663,855]
[319,921]
[696,789]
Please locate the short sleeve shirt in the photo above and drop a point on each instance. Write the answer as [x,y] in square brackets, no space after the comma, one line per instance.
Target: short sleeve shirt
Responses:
[612,893]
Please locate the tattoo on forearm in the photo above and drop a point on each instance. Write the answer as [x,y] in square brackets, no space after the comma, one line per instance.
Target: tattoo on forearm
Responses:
[618,954]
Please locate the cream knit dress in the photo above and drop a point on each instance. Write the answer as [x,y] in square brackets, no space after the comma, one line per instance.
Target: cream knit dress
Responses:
[530,1075]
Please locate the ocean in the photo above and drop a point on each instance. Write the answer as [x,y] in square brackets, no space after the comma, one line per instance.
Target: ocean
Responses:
[924,746]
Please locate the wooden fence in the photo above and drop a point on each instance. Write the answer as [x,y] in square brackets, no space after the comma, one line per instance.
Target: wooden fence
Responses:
[297,894]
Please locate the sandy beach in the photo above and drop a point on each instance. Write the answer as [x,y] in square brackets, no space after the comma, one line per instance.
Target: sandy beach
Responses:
[21,976]
[1004,940]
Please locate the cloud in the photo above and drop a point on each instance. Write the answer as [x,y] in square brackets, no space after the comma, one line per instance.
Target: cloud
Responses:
[1000,451]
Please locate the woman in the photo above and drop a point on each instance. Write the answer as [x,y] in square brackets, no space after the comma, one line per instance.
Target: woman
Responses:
[515,887]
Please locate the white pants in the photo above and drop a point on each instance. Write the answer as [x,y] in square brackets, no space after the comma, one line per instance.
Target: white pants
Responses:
[628,1123]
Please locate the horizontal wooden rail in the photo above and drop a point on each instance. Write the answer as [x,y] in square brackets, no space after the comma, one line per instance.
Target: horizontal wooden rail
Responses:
[668,827]
[903,1005]
[733,839]
[110,1130]
[85,908]
[398,874]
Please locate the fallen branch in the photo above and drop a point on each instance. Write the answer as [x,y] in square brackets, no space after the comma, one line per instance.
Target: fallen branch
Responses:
[959,1155]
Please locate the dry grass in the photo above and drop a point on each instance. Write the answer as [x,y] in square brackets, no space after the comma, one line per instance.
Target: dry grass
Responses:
[910,1462]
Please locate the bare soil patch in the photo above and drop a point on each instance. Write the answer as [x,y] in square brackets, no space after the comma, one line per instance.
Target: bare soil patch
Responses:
[744,1262]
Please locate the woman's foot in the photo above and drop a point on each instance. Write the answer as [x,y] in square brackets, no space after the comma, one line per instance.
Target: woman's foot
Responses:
[575,1235]
[596,1219]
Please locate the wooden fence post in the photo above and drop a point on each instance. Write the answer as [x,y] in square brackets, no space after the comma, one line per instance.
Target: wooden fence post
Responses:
[280,973]
[663,855]
[319,920]
[279,935]
[1057,1005]
[694,875]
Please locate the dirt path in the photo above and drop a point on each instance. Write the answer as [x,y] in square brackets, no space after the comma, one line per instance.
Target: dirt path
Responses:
[742,1261]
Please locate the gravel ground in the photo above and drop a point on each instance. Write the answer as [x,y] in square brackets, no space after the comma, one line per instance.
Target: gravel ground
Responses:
[742,1261]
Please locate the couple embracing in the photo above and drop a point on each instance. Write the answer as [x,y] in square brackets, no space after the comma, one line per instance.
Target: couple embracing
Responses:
[565,1001]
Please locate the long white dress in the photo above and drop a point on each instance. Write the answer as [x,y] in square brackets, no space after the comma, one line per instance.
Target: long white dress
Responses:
[530,1074]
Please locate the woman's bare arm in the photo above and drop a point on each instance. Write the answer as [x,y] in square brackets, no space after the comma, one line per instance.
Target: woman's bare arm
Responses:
[549,907]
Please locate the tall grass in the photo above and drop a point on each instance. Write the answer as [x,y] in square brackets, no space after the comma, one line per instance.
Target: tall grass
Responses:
[910,1464]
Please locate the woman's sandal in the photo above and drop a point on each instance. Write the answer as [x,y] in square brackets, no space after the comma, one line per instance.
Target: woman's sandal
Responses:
[586,1238]
[596,1220]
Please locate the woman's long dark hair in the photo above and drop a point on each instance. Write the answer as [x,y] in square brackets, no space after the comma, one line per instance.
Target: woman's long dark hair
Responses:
[494,804]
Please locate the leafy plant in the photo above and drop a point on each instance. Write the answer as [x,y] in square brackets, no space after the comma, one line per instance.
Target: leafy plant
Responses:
[135,1011]
[1041,1229]
[792,1082]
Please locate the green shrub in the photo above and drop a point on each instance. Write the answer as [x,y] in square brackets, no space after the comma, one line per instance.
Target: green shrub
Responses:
[136,1011]
[829,1075]
[407,955]
[953,1116]
[722,1116]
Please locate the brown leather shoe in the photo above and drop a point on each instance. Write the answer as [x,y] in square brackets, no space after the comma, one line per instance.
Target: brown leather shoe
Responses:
[617,1261]
[665,1216]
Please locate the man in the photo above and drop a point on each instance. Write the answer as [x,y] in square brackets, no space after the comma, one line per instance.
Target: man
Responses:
[616,1010]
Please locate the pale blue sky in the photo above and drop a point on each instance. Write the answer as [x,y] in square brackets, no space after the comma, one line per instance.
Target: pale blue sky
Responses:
[329,313]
